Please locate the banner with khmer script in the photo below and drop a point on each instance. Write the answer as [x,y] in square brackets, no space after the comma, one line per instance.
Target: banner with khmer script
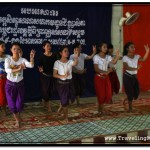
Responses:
[60,23]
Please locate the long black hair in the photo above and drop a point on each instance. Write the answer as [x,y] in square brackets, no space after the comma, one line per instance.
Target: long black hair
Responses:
[61,48]
[126,46]
[46,42]
[76,45]
[100,46]
[15,43]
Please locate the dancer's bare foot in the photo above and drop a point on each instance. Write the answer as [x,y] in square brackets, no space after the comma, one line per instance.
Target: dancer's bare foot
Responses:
[66,121]
[60,109]
[48,106]
[101,113]
[18,124]
[124,100]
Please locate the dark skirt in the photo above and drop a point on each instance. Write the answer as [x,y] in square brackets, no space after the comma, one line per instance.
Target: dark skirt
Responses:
[66,91]
[47,84]
[131,86]
[79,83]
[15,95]
[103,88]
[115,84]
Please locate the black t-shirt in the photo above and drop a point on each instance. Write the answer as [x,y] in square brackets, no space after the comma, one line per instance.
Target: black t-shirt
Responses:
[47,62]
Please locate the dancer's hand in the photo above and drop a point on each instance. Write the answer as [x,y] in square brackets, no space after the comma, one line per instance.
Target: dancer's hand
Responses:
[118,53]
[76,53]
[40,68]
[109,70]
[139,66]
[66,75]
[32,54]
[21,67]
[146,48]
[94,49]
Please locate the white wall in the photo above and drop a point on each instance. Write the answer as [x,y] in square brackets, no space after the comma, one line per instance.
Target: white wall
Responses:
[117,36]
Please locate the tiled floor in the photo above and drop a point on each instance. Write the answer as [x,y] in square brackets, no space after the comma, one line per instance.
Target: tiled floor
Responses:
[85,126]
[78,131]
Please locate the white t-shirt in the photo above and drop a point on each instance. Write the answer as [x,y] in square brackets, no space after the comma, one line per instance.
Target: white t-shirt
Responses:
[11,64]
[132,62]
[81,58]
[102,62]
[2,61]
[63,68]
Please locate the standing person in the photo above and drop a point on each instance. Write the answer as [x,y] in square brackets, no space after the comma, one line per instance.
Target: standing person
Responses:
[101,79]
[46,63]
[130,64]
[63,72]
[3,56]
[79,71]
[15,84]
[115,84]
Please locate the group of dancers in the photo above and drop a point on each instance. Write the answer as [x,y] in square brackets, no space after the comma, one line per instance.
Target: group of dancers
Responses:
[67,75]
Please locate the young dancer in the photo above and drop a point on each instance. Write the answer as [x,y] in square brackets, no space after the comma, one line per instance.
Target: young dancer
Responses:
[15,85]
[46,63]
[115,84]
[79,71]
[130,64]
[101,79]
[63,72]
[3,56]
